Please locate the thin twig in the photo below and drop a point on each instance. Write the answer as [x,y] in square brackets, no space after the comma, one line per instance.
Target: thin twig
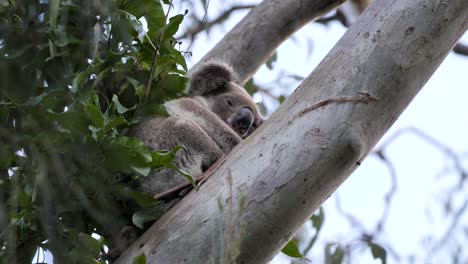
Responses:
[434,142]
[390,194]
[461,49]
[111,31]
[458,164]
[360,98]
[448,233]
[315,237]
[338,16]
[207,4]
[12,101]
[355,223]
[155,56]
[201,25]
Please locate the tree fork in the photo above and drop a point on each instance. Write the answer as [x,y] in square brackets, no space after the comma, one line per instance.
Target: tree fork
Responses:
[284,171]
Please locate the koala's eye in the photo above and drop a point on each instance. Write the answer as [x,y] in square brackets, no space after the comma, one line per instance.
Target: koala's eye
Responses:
[228,101]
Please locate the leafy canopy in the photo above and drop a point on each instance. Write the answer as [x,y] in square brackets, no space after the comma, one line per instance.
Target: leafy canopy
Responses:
[75,76]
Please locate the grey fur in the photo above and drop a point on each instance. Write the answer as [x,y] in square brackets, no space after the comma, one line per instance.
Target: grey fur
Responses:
[200,123]
[210,77]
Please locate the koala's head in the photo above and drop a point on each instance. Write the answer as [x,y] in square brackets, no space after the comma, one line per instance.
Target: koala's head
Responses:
[214,85]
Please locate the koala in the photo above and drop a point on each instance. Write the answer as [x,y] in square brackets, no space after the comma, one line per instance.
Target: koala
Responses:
[209,123]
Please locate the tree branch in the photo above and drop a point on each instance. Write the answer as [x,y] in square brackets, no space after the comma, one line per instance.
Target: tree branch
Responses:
[461,49]
[202,25]
[174,192]
[338,16]
[252,41]
[282,173]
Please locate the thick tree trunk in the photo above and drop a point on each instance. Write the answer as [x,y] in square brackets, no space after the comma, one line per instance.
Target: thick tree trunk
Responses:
[254,39]
[313,142]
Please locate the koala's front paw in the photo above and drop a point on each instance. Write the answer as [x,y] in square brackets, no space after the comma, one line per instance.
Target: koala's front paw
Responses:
[231,142]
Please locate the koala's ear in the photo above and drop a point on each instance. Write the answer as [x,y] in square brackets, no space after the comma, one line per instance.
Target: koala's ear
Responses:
[210,77]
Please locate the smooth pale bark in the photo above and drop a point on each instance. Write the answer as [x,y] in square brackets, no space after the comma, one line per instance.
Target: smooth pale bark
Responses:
[284,171]
[255,38]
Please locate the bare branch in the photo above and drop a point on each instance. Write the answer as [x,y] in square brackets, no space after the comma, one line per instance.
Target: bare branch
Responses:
[252,42]
[461,49]
[201,25]
[449,232]
[457,160]
[391,192]
[338,16]
[353,221]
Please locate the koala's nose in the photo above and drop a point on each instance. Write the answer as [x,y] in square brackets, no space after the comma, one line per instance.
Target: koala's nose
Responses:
[243,120]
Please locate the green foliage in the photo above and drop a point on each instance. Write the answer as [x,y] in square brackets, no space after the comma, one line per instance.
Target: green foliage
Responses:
[334,253]
[317,220]
[141,217]
[269,63]
[141,259]
[378,252]
[292,250]
[75,76]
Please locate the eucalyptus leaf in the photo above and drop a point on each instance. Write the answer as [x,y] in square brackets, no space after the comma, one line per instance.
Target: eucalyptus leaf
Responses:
[143,199]
[378,252]
[93,114]
[115,122]
[144,171]
[272,60]
[155,17]
[292,250]
[173,25]
[120,108]
[141,217]
[317,219]
[141,259]
[186,175]
[334,254]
